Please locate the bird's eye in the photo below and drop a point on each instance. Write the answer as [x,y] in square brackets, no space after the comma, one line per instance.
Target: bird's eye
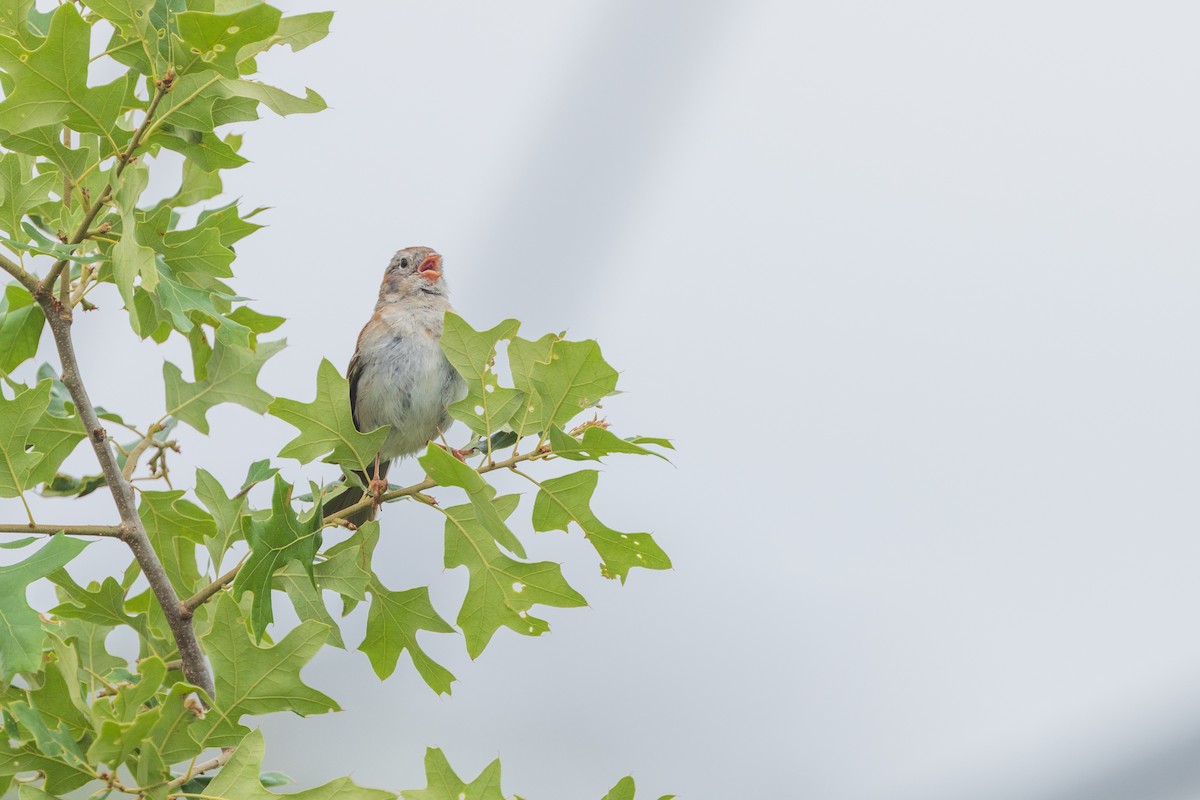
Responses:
[404,263]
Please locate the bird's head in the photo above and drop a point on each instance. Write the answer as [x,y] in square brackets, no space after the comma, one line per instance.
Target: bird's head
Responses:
[413,272]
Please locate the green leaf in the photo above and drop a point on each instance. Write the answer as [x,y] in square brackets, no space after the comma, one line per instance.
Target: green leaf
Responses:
[500,590]
[561,501]
[124,721]
[443,784]
[172,731]
[18,417]
[84,642]
[232,376]
[274,541]
[256,680]
[449,471]
[133,23]
[622,791]
[20,192]
[596,443]
[297,32]
[63,773]
[307,599]
[258,472]
[255,321]
[392,626]
[487,406]
[175,526]
[195,186]
[575,377]
[522,356]
[240,780]
[21,321]
[206,149]
[18,544]
[279,101]
[226,513]
[326,425]
[51,81]
[21,634]
[346,568]
[213,41]
[104,605]
[132,259]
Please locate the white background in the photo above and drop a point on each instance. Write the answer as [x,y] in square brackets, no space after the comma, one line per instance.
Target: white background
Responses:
[912,285]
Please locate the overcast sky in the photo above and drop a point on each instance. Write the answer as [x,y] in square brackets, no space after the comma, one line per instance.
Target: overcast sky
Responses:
[912,285]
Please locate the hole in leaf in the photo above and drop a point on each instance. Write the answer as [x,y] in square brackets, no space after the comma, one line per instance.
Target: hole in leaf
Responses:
[518,586]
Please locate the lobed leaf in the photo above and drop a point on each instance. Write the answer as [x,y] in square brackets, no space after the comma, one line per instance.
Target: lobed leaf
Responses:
[256,680]
[232,378]
[274,541]
[240,779]
[500,590]
[487,406]
[326,425]
[561,501]
[392,626]
[21,634]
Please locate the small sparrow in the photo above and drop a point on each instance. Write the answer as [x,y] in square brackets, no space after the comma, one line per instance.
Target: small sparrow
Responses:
[398,374]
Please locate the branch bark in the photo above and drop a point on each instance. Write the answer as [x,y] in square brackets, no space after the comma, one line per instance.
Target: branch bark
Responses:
[132,531]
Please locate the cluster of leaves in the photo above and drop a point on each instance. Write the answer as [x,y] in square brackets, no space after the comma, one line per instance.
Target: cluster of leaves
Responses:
[74,170]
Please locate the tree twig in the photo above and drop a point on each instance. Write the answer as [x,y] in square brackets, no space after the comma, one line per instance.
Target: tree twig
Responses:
[131,460]
[416,490]
[202,767]
[123,160]
[69,530]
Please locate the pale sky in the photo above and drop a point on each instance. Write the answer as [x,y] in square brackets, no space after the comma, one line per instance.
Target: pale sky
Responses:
[913,287]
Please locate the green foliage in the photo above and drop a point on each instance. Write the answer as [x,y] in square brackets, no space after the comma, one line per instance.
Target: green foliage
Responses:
[21,634]
[326,425]
[444,784]
[77,202]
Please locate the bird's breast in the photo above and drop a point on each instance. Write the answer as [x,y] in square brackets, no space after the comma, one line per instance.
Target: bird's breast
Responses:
[406,382]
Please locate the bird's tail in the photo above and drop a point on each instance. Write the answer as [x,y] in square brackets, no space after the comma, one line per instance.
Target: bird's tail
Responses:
[353,494]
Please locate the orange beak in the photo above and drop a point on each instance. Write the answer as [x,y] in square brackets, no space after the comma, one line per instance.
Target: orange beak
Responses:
[431,267]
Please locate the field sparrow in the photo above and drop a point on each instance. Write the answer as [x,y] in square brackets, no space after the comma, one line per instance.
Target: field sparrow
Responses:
[399,375]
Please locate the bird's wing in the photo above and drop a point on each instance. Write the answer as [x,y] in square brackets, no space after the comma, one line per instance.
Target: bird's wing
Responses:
[353,373]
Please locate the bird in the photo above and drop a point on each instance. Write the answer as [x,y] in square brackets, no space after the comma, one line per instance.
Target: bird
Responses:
[398,374]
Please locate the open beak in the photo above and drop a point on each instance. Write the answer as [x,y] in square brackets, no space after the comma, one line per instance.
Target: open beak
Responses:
[431,268]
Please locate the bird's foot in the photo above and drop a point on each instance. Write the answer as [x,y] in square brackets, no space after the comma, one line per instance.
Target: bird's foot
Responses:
[376,487]
[461,455]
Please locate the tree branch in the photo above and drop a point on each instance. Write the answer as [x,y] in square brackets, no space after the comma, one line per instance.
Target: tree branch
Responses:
[132,531]
[69,530]
[204,595]
[18,272]
[164,86]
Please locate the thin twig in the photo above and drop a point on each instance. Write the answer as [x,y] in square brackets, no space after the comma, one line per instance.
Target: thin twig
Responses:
[131,460]
[416,490]
[69,530]
[201,768]
[17,271]
[123,161]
